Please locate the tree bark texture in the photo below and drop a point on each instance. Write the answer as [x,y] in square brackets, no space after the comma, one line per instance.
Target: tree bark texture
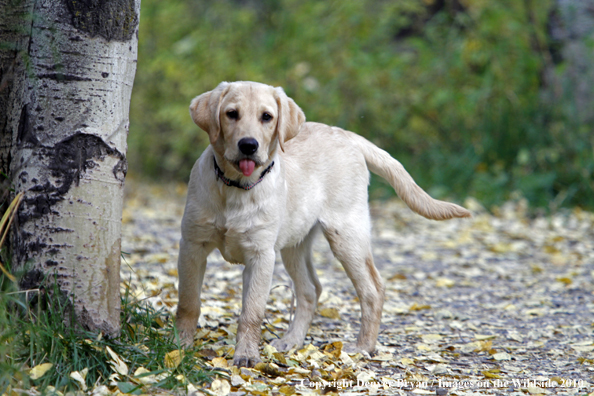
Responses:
[66,74]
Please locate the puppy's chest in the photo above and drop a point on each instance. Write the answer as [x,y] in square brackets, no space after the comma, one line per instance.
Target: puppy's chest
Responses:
[242,230]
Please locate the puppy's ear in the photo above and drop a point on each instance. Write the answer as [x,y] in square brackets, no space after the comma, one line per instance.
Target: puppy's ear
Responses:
[206,108]
[290,117]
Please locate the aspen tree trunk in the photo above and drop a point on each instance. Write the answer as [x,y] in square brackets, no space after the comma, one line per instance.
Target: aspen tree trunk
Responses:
[66,74]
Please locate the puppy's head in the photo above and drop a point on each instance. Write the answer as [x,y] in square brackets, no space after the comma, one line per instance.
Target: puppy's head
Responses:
[245,121]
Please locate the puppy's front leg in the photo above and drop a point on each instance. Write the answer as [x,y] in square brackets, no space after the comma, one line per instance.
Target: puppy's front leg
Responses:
[257,278]
[190,267]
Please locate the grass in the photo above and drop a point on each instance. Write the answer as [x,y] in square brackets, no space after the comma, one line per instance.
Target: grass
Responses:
[42,347]
[144,358]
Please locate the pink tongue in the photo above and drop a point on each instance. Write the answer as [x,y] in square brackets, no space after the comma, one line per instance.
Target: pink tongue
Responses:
[247,166]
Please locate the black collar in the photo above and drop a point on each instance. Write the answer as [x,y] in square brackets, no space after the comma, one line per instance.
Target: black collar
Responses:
[234,183]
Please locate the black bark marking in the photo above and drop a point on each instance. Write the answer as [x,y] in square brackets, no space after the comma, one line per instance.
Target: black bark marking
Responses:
[54,230]
[121,169]
[35,246]
[40,205]
[26,134]
[73,156]
[31,280]
[61,77]
[111,19]
[23,177]
[67,162]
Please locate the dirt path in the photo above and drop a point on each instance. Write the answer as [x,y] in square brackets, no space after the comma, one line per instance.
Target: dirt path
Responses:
[492,305]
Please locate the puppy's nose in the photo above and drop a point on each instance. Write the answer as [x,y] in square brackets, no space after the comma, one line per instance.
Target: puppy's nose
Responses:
[248,146]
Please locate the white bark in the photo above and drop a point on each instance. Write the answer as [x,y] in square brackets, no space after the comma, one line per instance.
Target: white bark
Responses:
[64,131]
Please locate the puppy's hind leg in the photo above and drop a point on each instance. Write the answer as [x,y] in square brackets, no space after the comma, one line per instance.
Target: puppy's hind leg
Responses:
[298,263]
[350,242]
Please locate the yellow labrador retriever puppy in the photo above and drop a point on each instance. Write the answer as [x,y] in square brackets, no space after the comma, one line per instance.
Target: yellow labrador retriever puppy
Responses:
[268,182]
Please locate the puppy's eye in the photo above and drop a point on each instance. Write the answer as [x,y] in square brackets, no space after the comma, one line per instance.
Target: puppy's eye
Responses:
[266,117]
[233,114]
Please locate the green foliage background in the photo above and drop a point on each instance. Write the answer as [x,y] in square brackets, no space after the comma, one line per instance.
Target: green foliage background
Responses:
[456,90]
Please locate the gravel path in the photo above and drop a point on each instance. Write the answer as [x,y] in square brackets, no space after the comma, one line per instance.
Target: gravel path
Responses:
[497,304]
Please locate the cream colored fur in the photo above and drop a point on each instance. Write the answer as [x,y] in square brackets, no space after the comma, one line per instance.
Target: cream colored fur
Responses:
[318,183]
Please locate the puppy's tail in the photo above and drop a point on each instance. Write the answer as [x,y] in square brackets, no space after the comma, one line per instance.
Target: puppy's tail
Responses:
[382,164]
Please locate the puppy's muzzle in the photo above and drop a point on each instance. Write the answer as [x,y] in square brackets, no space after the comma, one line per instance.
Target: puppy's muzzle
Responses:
[248,146]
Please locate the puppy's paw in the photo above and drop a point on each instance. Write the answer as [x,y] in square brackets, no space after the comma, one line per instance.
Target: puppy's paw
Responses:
[186,339]
[186,328]
[284,344]
[186,335]
[353,348]
[246,361]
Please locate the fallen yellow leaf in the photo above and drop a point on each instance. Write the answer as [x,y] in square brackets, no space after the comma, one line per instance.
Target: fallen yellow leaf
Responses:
[425,347]
[484,346]
[173,358]
[158,319]
[558,380]
[145,379]
[40,370]
[560,259]
[444,282]
[429,256]
[551,249]
[365,376]
[270,369]
[80,377]
[416,307]
[334,349]
[583,348]
[287,390]
[491,374]
[116,362]
[345,358]
[534,390]
[397,277]
[431,338]
[502,248]
[383,357]
[484,337]
[202,333]
[299,370]
[220,387]
[537,269]
[309,350]
[331,313]
[502,356]
[279,357]
[269,351]
[419,391]
[257,388]
[220,362]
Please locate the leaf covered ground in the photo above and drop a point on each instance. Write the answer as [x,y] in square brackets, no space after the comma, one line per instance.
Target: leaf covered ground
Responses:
[498,304]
